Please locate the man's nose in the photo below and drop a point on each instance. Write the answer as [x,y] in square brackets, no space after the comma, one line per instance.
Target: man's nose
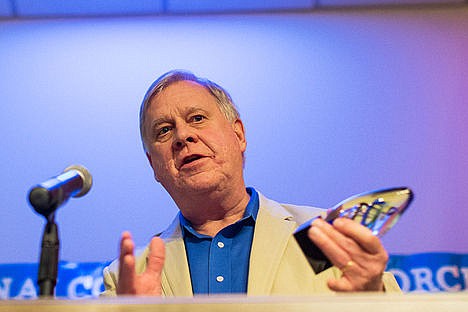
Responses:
[184,135]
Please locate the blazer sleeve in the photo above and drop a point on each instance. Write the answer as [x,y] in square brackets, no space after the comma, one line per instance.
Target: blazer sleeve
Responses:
[110,280]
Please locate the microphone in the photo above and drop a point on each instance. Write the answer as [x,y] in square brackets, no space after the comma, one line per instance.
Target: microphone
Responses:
[75,181]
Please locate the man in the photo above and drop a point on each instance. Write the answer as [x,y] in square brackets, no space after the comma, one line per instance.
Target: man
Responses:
[228,238]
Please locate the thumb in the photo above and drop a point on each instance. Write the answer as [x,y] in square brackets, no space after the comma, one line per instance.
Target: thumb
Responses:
[156,256]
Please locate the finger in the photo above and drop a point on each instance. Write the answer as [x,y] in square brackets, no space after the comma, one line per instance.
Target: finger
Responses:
[156,256]
[341,284]
[360,234]
[352,237]
[326,238]
[360,244]
[126,265]
[356,284]
[360,270]
[126,245]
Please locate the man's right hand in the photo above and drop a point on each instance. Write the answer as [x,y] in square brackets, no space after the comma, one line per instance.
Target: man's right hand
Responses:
[147,283]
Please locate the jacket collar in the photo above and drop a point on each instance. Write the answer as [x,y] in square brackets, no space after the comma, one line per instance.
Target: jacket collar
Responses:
[273,230]
[175,276]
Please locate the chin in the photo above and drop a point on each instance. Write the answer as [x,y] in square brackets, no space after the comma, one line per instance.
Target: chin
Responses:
[200,186]
[202,183]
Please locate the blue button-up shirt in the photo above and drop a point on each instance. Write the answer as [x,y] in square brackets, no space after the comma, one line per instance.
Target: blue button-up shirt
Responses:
[220,264]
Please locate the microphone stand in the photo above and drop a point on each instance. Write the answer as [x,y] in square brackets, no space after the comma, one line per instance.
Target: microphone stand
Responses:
[48,267]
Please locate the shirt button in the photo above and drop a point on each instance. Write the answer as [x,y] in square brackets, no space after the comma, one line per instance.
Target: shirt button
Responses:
[219,278]
[220,244]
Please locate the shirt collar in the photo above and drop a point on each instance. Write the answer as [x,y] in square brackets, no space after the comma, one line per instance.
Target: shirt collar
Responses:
[251,211]
[252,206]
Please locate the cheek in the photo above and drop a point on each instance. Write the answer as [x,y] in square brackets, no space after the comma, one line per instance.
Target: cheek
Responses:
[229,146]
[163,172]
[160,160]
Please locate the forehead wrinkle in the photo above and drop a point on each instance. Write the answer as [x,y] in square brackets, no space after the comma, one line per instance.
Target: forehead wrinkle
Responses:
[180,91]
[193,109]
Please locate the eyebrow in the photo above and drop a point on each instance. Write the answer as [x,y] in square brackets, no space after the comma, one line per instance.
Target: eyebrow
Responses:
[188,111]
[159,121]
[193,109]
[156,123]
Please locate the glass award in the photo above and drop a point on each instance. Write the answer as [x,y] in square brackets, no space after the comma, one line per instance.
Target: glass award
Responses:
[377,210]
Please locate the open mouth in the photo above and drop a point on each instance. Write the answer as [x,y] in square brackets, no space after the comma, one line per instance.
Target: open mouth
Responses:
[191,158]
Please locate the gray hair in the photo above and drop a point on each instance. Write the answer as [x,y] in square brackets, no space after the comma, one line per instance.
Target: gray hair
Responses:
[223,99]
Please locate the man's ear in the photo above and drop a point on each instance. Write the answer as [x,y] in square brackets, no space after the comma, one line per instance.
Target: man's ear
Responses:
[239,130]
[151,164]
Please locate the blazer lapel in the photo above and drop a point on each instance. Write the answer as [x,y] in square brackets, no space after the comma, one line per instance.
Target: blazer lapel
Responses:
[273,229]
[175,275]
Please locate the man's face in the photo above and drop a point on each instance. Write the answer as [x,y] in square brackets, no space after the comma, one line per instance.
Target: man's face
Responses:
[191,146]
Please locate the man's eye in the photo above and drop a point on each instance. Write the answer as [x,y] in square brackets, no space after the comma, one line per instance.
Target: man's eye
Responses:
[164,130]
[198,118]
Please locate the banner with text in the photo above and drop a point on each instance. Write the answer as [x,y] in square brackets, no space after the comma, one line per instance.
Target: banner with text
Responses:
[428,272]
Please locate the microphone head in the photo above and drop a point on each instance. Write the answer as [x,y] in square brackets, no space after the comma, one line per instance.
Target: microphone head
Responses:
[85,176]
